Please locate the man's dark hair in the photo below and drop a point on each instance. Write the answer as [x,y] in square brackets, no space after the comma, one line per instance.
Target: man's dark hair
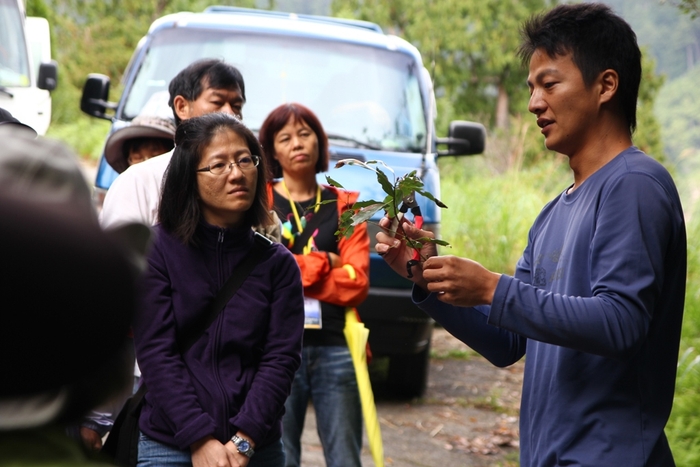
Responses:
[180,211]
[203,74]
[277,119]
[597,39]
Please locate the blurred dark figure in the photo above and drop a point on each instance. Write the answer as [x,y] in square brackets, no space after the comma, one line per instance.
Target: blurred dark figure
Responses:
[66,302]
[7,120]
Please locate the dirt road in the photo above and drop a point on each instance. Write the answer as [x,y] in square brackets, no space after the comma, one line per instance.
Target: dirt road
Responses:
[468,416]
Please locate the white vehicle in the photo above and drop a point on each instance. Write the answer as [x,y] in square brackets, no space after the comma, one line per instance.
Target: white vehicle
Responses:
[27,73]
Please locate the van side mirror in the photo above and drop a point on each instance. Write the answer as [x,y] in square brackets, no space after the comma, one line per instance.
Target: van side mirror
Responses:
[48,76]
[464,139]
[94,101]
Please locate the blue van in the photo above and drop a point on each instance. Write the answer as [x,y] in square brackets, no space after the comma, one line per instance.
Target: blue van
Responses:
[372,94]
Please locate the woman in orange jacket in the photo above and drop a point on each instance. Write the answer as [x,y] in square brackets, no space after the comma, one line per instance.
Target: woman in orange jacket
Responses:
[335,275]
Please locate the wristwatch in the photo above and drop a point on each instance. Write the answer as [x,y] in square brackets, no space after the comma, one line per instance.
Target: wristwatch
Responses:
[243,446]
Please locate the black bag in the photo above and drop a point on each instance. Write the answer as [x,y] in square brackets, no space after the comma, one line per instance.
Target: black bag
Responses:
[123,440]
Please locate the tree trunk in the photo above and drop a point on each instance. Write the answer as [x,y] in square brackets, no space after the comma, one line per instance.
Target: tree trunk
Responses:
[502,108]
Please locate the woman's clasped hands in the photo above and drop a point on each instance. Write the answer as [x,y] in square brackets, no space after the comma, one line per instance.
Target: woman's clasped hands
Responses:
[210,452]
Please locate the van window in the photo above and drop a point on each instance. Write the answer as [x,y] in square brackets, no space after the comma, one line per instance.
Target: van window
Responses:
[14,64]
[366,94]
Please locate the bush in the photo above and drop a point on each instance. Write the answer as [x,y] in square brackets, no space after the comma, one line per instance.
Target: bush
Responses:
[489,214]
[683,427]
[86,136]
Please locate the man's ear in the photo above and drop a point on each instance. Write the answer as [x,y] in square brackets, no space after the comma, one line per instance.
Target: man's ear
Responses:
[609,81]
[181,107]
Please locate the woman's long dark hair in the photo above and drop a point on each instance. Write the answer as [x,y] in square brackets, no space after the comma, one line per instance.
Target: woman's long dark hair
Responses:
[180,211]
[277,119]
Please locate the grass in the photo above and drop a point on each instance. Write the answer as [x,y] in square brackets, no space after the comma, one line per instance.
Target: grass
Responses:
[683,429]
[492,402]
[454,354]
[490,214]
[512,460]
[86,137]
[684,426]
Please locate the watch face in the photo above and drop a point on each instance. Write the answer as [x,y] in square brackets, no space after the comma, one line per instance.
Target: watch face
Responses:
[243,445]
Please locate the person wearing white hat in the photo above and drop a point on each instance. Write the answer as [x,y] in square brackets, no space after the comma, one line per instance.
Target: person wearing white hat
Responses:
[147,136]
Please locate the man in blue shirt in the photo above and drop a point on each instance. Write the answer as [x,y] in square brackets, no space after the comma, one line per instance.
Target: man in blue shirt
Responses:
[597,297]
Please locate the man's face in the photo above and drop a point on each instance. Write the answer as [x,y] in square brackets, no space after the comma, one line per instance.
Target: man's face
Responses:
[566,109]
[211,100]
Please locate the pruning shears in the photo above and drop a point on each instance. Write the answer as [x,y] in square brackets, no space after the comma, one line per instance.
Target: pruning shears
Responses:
[409,202]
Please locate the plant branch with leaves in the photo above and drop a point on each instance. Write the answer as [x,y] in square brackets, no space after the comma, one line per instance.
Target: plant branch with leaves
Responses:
[398,191]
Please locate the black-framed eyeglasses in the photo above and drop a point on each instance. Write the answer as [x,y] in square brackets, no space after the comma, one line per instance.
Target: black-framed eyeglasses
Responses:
[224,168]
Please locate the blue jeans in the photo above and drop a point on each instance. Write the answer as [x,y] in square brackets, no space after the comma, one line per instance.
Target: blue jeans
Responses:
[327,378]
[155,454]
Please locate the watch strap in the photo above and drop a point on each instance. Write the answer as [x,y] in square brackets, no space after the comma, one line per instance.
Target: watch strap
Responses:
[241,446]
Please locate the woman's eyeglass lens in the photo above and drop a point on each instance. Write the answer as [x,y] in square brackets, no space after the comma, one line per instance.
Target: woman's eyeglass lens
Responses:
[223,168]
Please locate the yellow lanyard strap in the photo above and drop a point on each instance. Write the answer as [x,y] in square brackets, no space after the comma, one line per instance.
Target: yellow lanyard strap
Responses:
[293,205]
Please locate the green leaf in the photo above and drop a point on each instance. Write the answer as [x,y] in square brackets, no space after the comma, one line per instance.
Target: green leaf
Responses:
[366,213]
[332,182]
[383,180]
[399,194]
[415,244]
[391,208]
[424,240]
[344,162]
[346,216]
[345,226]
[432,198]
[320,203]
[363,204]
[347,233]
[439,242]
[408,184]
[378,162]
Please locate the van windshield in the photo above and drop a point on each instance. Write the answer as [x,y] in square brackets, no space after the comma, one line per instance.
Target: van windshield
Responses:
[14,64]
[364,96]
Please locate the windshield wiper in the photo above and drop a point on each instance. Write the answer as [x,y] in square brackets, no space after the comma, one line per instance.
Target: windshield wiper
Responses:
[4,90]
[357,143]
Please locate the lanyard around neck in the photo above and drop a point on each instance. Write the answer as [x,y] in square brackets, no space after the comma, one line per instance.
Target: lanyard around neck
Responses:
[293,205]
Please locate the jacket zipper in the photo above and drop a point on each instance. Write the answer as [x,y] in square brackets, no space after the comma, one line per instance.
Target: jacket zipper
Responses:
[217,340]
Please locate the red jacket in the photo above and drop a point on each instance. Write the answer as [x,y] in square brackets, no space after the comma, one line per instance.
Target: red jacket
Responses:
[336,285]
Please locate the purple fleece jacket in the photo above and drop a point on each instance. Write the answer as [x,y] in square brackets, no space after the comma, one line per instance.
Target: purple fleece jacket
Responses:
[239,373]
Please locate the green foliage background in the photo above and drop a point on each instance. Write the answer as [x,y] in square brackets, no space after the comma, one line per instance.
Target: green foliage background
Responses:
[98,36]
[468,46]
[673,40]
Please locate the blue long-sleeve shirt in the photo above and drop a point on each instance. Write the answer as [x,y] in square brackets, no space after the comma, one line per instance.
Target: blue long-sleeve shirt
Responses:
[239,373]
[597,302]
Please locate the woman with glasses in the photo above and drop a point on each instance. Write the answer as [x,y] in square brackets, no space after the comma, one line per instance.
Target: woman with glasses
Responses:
[220,402]
[335,275]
